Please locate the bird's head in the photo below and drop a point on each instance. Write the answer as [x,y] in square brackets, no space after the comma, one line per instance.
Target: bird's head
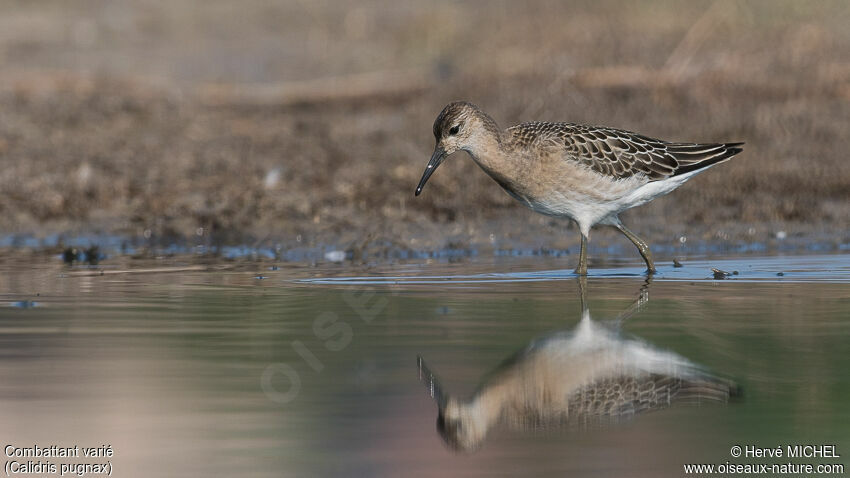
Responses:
[460,126]
[458,426]
[459,423]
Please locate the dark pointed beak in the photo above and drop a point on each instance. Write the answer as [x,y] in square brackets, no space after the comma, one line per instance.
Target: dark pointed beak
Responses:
[436,159]
[431,382]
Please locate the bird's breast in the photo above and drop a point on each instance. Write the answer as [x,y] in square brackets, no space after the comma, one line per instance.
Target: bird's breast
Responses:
[556,186]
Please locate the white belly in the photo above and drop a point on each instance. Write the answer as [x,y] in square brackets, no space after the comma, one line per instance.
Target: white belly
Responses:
[602,201]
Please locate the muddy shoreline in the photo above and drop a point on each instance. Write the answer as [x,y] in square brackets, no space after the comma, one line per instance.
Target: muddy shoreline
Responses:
[322,150]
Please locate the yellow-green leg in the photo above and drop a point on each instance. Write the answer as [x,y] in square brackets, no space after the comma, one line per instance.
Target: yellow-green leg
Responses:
[581,269]
[642,247]
[582,294]
[636,306]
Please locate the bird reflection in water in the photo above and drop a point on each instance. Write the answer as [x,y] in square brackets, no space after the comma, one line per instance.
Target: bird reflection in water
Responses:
[589,375]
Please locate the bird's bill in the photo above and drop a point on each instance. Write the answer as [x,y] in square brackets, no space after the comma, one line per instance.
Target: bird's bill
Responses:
[436,158]
[431,382]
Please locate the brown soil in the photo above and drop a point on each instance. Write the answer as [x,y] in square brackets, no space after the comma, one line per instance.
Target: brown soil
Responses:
[252,122]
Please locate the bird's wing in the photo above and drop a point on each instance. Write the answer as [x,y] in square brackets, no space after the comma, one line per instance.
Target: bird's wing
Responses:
[628,395]
[618,153]
[620,398]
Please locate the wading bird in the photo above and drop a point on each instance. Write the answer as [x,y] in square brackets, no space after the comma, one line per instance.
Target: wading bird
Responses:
[589,376]
[589,174]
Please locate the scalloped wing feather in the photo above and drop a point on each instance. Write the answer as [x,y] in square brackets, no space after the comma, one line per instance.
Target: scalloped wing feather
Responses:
[618,153]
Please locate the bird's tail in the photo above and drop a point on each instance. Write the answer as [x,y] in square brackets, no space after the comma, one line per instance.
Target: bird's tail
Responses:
[693,157]
[708,389]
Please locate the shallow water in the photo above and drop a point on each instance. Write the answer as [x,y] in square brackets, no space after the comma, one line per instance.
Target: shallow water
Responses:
[304,371]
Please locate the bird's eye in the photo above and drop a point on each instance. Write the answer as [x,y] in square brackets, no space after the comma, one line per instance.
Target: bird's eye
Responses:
[454,129]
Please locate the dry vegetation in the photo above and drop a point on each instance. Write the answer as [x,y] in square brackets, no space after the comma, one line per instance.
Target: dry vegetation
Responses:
[262,121]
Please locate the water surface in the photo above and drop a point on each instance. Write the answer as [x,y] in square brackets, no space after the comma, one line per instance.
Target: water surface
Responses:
[300,371]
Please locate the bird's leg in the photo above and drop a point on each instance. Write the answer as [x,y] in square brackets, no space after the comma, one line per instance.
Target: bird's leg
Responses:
[641,246]
[582,293]
[581,269]
[636,306]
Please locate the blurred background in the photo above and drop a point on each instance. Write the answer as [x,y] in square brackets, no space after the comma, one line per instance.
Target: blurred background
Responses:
[305,125]
[309,122]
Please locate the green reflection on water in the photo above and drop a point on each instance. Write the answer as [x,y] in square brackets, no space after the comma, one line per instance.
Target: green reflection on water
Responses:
[168,369]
